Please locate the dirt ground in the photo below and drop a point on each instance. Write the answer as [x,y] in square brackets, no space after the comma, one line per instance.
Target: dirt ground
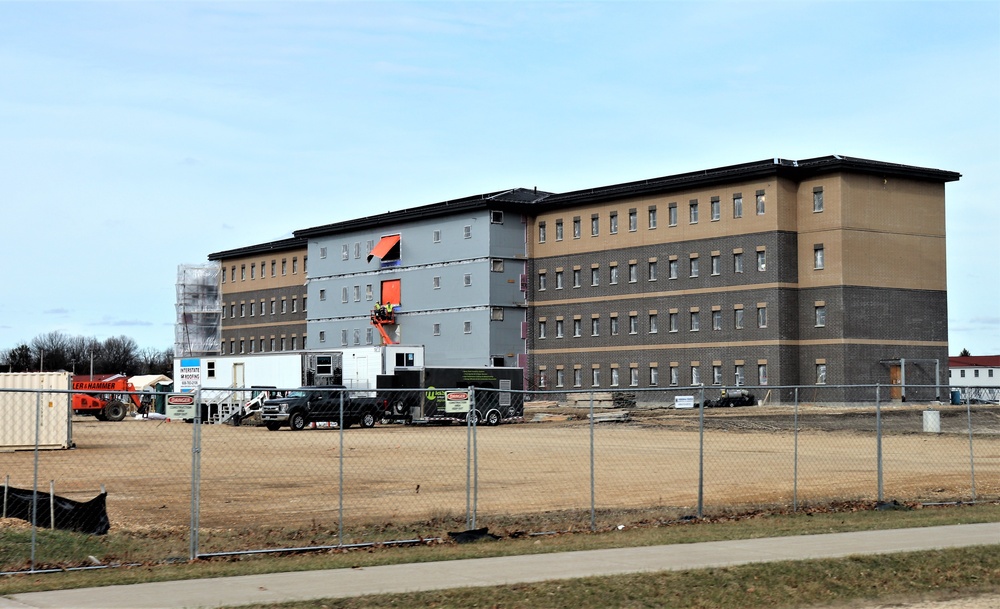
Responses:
[250,477]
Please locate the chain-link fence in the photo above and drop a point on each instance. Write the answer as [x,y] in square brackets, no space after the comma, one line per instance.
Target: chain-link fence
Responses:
[404,466]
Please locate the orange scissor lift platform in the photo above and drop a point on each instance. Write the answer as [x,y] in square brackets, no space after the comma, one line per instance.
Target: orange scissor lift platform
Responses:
[381,318]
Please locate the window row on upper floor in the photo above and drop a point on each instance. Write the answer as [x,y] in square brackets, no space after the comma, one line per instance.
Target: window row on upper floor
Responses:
[694,216]
[250,308]
[650,321]
[249,272]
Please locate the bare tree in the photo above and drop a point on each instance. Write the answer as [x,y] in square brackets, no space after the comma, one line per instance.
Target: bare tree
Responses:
[83,352]
[119,354]
[52,350]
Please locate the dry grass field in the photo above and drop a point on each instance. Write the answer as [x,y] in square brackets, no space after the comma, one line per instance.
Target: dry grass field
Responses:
[254,479]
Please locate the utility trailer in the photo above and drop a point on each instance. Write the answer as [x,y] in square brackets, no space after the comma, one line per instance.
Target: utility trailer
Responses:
[418,395]
[36,409]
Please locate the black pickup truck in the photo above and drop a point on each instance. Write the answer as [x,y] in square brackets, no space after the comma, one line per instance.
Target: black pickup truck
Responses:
[318,405]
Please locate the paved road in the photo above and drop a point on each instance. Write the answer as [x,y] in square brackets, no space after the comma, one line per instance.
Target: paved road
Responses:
[279,587]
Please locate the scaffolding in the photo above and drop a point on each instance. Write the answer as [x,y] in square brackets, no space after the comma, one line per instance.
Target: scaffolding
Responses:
[198,330]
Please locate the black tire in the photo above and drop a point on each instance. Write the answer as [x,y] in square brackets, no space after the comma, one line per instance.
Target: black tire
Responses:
[368,420]
[114,411]
[100,416]
[399,407]
[297,421]
[493,418]
[472,416]
[271,426]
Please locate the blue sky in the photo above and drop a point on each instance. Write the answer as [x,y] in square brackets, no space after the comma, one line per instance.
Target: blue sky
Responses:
[142,135]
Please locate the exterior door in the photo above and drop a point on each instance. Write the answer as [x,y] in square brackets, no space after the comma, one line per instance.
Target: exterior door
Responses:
[896,380]
[238,375]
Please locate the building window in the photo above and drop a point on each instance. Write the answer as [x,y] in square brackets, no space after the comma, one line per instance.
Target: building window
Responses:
[496,313]
[820,374]
[695,376]
[761,317]
[436,236]
[595,326]
[243,272]
[738,262]
[559,280]
[272,310]
[672,268]
[717,320]
[345,252]
[595,276]
[820,316]
[560,377]
[253,273]
[633,272]
[652,270]
[614,326]
[295,305]
[694,267]
[436,329]
[343,294]
[284,267]
[559,328]
[716,264]
[738,321]
[818,199]
[739,378]
[357,293]
[232,275]
[818,257]
[467,279]
[633,323]
[576,227]
[761,260]
[274,273]
[541,232]
[577,377]
[541,282]
[672,321]
[654,376]
[467,231]
[614,377]
[284,306]
[595,377]
[322,253]
[652,323]
[760,202]
[577,328]
[633,220]
[613,223]
[595,225]
[343,337]
[467,327]
[737,205]
[695,321]
[975,373]
[693,211]
[322,336]
[716,209]
[541,379]
[271,344]
[559,230]
[496,217]
[496,265]
[672,214]
[652,216]
[613,279]
[243,309]
[716,374]
[675,376]
[761,374]
[633,377]
[541,329]
[295,266]
[252,308]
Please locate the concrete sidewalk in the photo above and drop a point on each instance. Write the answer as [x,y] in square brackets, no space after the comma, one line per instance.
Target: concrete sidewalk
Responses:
[280,587]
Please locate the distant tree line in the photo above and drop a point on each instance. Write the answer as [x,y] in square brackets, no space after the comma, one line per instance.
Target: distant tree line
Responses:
[78,354]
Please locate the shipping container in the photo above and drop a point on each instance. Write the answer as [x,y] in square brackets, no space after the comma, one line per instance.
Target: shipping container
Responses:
[36,408]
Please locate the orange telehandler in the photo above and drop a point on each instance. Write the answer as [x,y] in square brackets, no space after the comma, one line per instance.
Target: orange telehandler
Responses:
[107,400]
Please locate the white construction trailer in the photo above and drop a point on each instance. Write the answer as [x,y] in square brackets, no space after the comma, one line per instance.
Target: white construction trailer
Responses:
[36,409]
[232,385]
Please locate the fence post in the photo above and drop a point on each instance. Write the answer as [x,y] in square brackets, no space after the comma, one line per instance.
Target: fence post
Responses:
[340,476]
[34,484]
[468,472]
[795,455]
[972,461]
[701,451]
[52,505]
[195,474]
[593,491]
[878,439]
[475,453]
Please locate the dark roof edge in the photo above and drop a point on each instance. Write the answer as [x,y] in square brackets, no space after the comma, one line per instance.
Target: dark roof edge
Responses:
[512,199]
[795,170]
[270,246]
